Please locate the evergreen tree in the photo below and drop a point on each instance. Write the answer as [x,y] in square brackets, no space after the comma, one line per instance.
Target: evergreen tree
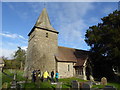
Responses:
[104,40]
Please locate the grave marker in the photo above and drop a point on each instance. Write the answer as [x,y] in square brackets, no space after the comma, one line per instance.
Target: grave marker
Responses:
[104,81]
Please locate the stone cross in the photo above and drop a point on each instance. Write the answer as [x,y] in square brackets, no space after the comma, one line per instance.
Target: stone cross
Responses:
[103,81]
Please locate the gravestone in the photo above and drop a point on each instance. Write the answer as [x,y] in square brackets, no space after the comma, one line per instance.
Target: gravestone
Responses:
[103,81]
[91,78]
[90,83]
[59,86]
[85,86]
[109,88]
[14,84]
[75,85]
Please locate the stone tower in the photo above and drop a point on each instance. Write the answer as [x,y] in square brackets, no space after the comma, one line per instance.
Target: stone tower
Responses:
[42,46]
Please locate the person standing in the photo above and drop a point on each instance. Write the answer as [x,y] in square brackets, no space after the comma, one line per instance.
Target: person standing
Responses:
[52,76]
[56,76]
[34,76]
[45,76]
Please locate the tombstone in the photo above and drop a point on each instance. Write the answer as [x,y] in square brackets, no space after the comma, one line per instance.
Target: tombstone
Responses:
[91,78]
[85,86]
[90,83]
[59,86]
[103,81]
[5,85]
[109,88]
[75,85]
[14,84]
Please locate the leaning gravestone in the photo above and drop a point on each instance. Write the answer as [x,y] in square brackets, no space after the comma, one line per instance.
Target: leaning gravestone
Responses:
[104,81]
[85,86]
[75,85]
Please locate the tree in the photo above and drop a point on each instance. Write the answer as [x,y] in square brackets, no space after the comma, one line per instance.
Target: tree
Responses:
[104,40]
[20,56]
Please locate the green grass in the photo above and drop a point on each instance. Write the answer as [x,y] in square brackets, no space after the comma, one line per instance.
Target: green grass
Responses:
[6,81]
[66,82]
[11,73]
[116,85]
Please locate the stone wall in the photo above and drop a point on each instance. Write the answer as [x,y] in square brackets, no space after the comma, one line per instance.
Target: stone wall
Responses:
[66,69]
[41,51]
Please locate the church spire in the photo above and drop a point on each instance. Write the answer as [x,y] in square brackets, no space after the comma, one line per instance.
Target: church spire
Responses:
[44,22]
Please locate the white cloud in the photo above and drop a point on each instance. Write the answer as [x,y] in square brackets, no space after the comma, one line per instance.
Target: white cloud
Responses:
[7,53]
[9,35]
[72,27]
[24,47]
[14,36]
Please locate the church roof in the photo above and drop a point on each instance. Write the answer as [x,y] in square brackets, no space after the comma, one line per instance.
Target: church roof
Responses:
[43,22]
[71,55]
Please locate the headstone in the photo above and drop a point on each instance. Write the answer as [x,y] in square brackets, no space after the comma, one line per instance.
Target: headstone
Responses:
[14,84]
[90,83]
[85,86]
[75,85]
[104,81]
[109,88]
[91,78]
[59,85]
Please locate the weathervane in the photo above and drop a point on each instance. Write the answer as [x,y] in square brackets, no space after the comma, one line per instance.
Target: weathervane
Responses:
[44,4]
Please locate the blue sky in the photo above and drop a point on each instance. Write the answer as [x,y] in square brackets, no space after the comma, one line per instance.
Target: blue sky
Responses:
[70,19]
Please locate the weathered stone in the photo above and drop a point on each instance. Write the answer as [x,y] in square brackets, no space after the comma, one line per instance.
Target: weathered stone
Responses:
[85,86]
[59,85]
[109,88]
[40,54]
[75,85]
[104,81]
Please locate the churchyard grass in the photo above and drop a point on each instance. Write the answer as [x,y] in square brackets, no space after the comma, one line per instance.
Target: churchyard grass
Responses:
[6,80]
[66,81]
[116,85]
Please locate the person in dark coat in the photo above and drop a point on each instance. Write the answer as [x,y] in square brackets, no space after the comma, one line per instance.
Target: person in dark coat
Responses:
[52,76]
[34,76]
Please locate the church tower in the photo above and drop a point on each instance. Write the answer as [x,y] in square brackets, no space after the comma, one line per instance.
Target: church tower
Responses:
[42,46]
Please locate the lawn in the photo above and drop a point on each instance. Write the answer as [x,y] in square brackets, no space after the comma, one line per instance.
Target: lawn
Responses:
[66,82]
[6,80]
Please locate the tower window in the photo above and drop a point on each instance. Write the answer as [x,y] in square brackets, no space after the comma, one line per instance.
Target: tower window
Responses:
[47,35]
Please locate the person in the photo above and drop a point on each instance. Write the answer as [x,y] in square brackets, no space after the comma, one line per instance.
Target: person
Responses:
[39,73]
[34,76]
[52,76]
[45,76]
[56,76]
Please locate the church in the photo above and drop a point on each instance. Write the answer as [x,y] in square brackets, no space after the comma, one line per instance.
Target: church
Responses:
[44,53]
